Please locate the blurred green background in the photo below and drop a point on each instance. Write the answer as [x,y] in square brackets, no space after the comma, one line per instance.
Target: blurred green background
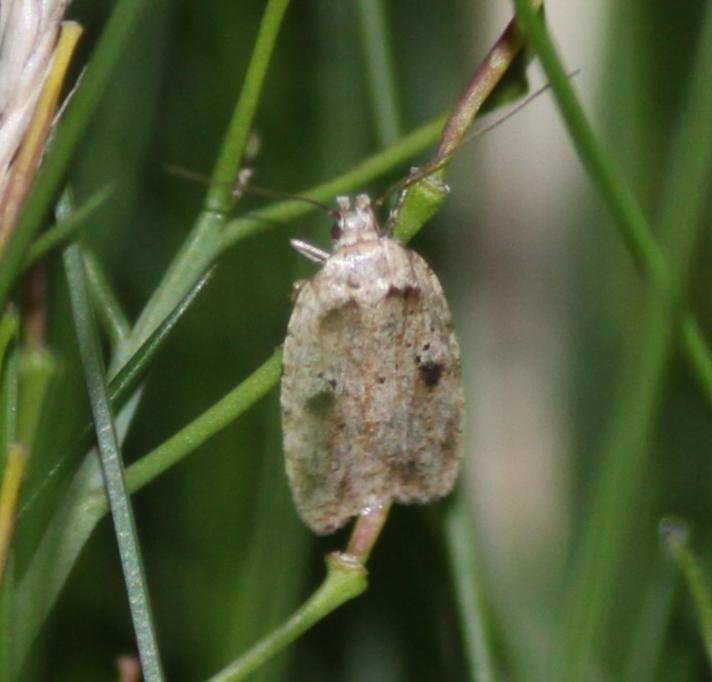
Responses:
[544,297]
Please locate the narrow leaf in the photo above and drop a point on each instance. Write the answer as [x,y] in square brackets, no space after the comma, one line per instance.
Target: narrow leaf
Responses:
[112,465]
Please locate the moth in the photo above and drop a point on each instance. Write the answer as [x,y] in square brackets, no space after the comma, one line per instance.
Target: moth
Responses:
[371,396]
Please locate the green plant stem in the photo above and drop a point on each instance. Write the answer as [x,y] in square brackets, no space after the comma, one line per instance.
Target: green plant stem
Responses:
[36,369]
[374,166]
[460,537]
[125,382]
[375,38]
[345,579]
[489,73]
[216,418]
[203,244]
[220,196]
[107,306]
[8,383]
[211,237]
[85,503]
[625,452]
[675,535]
[12,475]
[68,531]
[8,430]
[65,229]
[422,197]
[69,133]
[8,329]
[630,220]
[112,466]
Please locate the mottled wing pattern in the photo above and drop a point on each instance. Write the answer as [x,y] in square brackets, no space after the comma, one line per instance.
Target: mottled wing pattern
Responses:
[371,394]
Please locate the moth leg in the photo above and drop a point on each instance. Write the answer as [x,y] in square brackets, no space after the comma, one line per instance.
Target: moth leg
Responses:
[308,251]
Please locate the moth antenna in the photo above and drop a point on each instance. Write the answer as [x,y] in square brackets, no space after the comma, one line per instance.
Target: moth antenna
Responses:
[429,169]
[186,173]
[244,186]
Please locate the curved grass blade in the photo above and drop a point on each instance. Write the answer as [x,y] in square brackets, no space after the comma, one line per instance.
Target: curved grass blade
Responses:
[112,466]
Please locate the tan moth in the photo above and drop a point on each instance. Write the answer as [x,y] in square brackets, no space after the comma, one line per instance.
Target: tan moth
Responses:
[372,399]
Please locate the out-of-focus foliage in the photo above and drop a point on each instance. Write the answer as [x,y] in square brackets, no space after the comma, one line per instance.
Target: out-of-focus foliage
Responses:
[226,556]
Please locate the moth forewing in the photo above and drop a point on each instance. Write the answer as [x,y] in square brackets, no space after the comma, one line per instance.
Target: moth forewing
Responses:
[372,399]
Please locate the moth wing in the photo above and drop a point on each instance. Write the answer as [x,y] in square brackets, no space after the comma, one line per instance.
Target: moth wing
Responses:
[425,460]
[371,394]
[313,410]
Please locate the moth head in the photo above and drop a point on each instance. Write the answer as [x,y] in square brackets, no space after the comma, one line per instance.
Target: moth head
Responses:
[355,223]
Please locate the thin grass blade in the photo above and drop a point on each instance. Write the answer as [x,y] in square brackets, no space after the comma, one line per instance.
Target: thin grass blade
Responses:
[112,465]
[459,535]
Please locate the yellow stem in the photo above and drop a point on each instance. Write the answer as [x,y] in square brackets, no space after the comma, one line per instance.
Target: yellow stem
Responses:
[9,494]
[30,152]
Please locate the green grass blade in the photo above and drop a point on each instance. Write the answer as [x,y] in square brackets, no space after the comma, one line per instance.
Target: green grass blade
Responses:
[345,579]
[85,503]
[69,133]
[111,459]
[8,424]
[207,242]
[632,224]
[460,537]
[128,377]
[106,304]
[203,243]
[675,535]
[375,38]
[626,448]
[107,307]
[689,172]
[36,369]
[8,383]
[216,418]
[220,196]
[127,380]
[68,227]
[70,527]
[605,176]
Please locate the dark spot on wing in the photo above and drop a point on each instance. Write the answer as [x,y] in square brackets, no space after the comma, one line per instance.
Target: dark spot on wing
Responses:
[320,403]
[405,292]
[406,472]
[430,373]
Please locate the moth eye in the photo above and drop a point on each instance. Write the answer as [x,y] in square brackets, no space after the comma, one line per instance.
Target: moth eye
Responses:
[336,231]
